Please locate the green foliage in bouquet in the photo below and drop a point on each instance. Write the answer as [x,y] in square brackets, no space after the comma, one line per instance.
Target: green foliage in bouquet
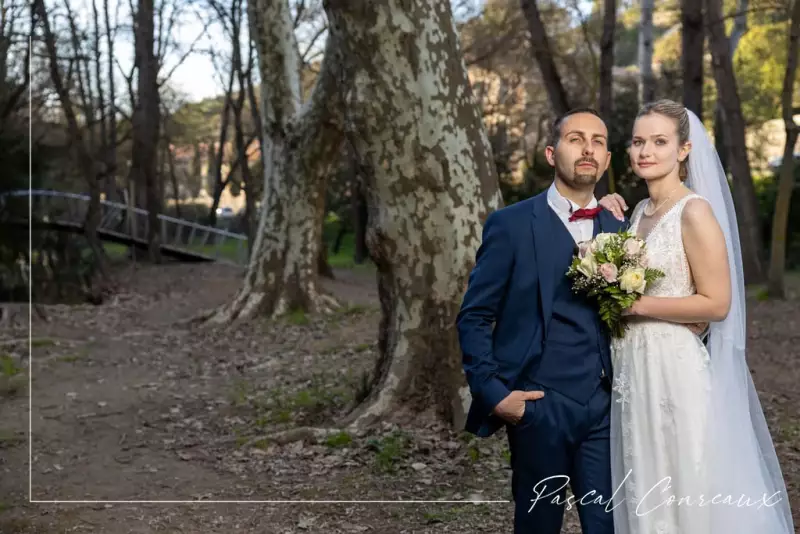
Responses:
[612,269]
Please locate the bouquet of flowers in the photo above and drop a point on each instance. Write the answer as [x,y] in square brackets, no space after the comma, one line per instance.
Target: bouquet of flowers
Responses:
[612,268]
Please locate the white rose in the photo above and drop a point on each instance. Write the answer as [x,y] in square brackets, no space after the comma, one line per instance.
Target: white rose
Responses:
[633,280]
[588,266]
[602,239]
[632,247]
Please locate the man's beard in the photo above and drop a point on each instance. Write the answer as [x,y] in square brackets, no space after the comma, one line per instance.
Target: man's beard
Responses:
[579,178]
[582,178]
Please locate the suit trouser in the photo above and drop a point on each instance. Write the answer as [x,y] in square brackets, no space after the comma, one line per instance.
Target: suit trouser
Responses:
[560,443]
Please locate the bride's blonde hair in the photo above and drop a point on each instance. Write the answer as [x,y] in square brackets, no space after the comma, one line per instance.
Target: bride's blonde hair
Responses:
[677,112]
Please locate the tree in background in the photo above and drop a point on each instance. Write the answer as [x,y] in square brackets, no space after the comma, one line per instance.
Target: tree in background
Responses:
[605,98]
[744,193]
[430,182]
[300,145]
[692,52]
[147,123]
[542,51]
[80,143]
[647,85]
[777,266]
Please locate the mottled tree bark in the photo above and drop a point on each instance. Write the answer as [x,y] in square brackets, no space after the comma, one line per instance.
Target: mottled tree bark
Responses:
[544,58]
[299,146]
[430,181]
[692,40]
[744,193]
[777,264]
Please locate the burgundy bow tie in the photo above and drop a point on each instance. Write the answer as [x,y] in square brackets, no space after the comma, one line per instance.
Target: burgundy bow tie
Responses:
[585,213]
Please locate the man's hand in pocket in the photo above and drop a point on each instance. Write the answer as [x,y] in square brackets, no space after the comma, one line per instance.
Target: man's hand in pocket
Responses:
[512,408]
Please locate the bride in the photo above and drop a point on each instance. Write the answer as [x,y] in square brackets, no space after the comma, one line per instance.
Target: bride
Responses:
[690,448]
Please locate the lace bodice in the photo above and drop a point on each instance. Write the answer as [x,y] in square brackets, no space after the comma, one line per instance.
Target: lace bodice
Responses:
[665,251]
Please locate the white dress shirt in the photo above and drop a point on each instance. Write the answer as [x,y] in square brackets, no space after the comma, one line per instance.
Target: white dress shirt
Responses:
[582,229]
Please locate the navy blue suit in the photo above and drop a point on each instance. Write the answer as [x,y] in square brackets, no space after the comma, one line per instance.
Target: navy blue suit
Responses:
[522,327]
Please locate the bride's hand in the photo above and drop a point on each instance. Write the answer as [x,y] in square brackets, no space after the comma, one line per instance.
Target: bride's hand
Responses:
[635,309]
[615,204]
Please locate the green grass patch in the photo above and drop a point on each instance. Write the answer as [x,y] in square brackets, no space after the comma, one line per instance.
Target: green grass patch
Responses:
[115,251]
[229,249]
[298,317]
[262,444]
[303,406]
[340,439]
[8,366]
[390,450]
[72,358]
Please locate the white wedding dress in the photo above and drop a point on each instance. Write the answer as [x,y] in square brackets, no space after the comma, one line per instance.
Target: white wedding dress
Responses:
[661,408]
[659,400]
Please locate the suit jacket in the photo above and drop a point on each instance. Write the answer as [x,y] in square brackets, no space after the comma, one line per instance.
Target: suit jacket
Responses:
[502,324]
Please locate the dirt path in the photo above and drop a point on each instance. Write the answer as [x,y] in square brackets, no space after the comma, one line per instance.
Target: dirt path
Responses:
[128,406]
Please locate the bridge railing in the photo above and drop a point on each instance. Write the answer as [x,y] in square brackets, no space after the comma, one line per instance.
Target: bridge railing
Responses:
[134,222]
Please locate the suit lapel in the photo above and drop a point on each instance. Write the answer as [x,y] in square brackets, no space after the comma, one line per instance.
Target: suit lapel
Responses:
[606,222]
[543,248]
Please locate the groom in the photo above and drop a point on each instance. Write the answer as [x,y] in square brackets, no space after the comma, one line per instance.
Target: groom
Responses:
[536,355]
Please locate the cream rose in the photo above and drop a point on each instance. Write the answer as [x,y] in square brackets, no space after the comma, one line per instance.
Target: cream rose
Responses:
[588,266]
[632,246]
[632,280]
[602,239]
[608,271]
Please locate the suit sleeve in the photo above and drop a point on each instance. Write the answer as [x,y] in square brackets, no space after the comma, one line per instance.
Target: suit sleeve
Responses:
[487,287]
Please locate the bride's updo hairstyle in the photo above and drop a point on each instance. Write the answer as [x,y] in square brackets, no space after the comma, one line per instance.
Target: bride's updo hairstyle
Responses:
[677,112]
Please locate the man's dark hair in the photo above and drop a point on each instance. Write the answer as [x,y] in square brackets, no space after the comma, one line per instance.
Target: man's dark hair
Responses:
[555,133]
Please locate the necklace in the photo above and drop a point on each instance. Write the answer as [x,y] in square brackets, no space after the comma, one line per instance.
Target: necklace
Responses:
[659,204]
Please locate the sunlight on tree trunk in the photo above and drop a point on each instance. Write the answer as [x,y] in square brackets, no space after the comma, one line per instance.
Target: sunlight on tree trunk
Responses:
[777,264]
[430,181]
[298,150]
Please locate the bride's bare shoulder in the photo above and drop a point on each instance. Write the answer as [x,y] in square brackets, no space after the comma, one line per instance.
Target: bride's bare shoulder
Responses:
[698,214]
[696,206]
